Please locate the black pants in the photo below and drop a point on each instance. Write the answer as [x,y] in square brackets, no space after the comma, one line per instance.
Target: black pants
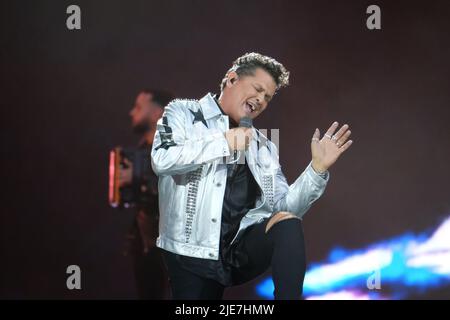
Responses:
[282,248]
[150,272]
[150,275]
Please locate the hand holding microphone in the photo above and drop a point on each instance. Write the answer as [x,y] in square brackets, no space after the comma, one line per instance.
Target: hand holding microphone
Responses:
[239,138]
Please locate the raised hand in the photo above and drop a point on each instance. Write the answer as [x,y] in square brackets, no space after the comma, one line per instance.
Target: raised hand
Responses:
[327,150]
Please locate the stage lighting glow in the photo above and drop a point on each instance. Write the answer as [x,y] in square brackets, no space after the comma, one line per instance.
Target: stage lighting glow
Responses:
[405,264]
[341,295]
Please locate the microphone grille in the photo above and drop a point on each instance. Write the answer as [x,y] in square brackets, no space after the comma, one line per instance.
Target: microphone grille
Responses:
[246,122]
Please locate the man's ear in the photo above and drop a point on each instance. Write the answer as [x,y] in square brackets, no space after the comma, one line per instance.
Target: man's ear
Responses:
[160,113]
[232,78]
[157,113]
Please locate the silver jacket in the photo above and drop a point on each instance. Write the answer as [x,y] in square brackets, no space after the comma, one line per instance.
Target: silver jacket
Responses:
[188,156]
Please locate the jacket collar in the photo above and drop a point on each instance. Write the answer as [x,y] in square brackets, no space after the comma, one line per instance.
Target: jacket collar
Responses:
[209,107]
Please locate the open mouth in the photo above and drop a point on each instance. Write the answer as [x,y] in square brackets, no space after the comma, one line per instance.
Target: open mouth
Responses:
[249,107]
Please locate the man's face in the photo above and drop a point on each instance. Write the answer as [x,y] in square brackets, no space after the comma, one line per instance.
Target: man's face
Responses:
[144,113]
[247,95]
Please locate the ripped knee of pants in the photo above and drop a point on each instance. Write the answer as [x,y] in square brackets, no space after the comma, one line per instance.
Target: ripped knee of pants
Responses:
[278,217]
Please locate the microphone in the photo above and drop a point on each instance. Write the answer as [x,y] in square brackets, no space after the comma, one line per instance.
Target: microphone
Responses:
[245,122]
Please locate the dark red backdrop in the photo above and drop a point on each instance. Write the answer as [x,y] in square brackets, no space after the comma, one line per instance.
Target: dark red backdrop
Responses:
[66,96]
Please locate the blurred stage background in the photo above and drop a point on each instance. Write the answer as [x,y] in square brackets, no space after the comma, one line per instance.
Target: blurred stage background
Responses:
[66,95]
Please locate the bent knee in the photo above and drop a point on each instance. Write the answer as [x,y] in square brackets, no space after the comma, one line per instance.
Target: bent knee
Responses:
[280,216]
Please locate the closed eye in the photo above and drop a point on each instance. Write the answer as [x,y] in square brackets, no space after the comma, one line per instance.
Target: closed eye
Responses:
[258,89]
[267,97]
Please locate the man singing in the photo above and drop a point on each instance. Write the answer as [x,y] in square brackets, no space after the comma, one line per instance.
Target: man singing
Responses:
[223,222]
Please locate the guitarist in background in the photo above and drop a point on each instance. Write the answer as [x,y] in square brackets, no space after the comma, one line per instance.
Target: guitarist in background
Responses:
[149,269]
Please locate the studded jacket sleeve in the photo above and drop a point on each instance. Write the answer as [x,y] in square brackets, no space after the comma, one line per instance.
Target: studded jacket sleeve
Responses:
[299,196]
[177,150]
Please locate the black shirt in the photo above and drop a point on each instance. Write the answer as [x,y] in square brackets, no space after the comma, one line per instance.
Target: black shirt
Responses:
[145,181]
[144,188]
[241,192]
